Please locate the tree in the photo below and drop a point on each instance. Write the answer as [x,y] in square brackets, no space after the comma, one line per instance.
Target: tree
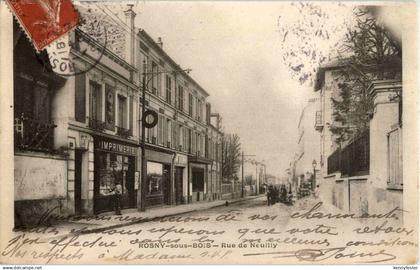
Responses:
[231,155]
[310,39]
[369,52]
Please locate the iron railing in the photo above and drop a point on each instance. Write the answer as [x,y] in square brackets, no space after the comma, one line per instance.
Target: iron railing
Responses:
[124,132]
[96,124]
[353,159]
[33,135]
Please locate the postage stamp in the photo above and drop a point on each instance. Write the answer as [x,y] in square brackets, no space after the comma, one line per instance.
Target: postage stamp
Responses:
[44,20]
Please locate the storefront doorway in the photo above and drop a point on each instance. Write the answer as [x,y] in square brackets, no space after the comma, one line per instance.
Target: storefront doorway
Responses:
[78,181]
[198,182]
[113,163]
[158,183]
[178,185]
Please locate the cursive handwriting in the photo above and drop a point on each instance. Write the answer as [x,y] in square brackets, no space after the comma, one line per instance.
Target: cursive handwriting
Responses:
[314,214]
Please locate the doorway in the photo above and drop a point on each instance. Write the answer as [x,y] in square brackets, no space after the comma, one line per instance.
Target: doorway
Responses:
[178,185]
[78,181]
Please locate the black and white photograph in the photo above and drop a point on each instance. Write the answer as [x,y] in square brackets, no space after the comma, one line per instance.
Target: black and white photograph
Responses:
[208,132]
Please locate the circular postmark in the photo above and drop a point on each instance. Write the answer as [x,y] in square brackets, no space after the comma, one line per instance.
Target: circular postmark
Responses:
[77,52]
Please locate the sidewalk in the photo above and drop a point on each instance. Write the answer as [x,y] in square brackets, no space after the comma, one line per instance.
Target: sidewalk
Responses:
[106,221]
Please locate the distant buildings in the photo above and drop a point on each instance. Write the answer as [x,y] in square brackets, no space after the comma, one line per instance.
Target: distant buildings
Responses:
[308,147]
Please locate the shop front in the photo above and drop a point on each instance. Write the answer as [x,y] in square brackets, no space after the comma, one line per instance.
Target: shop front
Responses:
[198,174]
[114,163]
[159,180]
[181,180]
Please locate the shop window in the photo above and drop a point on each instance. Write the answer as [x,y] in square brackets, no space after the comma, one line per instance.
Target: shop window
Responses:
[154,178]
[112,169]
[197,180]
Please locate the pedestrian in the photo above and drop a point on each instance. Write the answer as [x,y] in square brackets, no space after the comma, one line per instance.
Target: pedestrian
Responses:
[117,197]
[269,195]
[316,192]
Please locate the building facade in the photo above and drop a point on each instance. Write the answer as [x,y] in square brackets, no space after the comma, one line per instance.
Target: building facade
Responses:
[308,145]
[77,136]
[364,174]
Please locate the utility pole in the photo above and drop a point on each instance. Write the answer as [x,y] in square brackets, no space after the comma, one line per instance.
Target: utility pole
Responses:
[143,144]
[143,184]
[242,192]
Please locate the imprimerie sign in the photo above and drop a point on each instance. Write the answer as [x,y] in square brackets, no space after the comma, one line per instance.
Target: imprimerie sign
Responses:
[114,146]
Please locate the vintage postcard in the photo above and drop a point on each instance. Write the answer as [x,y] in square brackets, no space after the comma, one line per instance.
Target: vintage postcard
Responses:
[200,132]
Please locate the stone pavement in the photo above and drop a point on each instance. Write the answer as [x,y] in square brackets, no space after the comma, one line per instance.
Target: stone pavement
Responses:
[106,221]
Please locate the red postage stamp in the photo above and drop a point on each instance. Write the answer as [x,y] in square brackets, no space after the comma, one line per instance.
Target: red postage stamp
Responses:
[44,20]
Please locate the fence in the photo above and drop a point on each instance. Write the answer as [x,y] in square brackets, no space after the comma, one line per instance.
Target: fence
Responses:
[353,159]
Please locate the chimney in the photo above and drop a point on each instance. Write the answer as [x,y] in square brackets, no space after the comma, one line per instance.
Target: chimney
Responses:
[130,15]
[159,42]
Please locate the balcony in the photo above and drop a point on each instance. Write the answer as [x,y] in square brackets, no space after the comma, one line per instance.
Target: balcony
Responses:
[96,125]
[318,121]
[123,132]
[33,135]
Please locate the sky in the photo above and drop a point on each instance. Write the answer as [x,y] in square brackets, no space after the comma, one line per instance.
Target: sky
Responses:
[235,53]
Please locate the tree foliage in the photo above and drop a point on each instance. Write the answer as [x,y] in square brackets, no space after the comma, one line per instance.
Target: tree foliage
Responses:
[231,155]
[309,35]
[368,53]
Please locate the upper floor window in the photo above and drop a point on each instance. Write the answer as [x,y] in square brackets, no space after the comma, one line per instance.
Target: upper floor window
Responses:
[168,89]
[122,111]
[95,101]
[155,78]
[180,98]
[199,110]
[190,104]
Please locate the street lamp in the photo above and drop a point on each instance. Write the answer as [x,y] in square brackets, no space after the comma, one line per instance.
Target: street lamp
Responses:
[314,179]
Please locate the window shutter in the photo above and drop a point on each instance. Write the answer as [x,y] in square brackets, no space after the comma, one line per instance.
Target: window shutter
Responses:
[80,98]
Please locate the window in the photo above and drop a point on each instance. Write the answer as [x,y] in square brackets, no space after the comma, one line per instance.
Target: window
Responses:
[168,89]
[189,142]
[197,179]
[122,113]
[190,104]
[155,78]
[175,138]
[80,98]
[199,110]
[154,178]
[180,136]
[180,98]
[169,133]
[109,107]
[95,100]
[160,129]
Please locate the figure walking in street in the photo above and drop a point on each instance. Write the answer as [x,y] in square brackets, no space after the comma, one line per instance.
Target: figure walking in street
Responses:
[117,197]
[270,195]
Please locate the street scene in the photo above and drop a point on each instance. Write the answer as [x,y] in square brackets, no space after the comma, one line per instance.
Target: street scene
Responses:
[209,132]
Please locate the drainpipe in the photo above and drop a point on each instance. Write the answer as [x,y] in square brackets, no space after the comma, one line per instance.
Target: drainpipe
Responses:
[172,181]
